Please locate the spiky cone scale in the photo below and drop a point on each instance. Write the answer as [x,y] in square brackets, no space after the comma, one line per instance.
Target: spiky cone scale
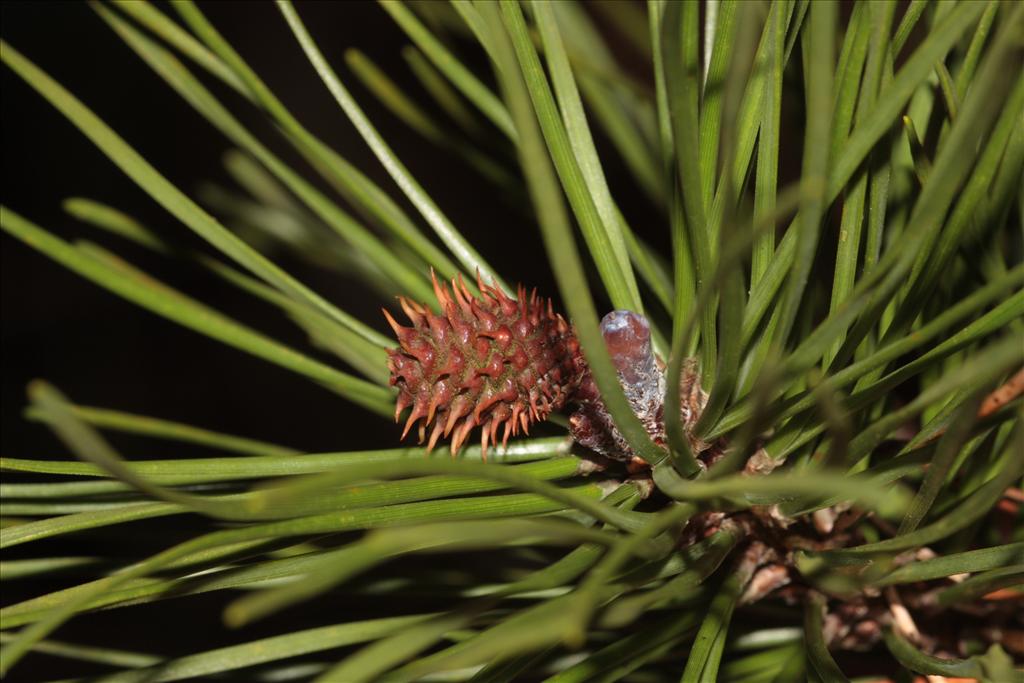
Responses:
[492,361]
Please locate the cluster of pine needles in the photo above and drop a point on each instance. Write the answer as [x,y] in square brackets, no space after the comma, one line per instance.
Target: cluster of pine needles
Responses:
[857,328]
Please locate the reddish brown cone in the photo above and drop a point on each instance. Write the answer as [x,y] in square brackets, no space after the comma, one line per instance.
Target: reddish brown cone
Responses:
[494,362]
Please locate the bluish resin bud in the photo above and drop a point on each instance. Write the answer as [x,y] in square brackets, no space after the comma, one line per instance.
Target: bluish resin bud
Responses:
[628,338]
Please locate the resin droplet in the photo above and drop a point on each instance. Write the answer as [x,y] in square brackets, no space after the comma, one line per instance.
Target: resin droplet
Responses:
[628,338]
[627,335]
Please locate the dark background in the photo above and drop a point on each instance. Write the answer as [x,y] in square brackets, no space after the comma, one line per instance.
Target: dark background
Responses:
[103,351]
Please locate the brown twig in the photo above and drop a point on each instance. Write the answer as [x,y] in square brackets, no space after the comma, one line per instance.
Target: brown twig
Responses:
[1013,388]
[1008,391]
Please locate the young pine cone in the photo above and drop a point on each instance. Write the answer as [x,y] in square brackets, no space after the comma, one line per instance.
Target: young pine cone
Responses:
[498,362]
[493,361]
